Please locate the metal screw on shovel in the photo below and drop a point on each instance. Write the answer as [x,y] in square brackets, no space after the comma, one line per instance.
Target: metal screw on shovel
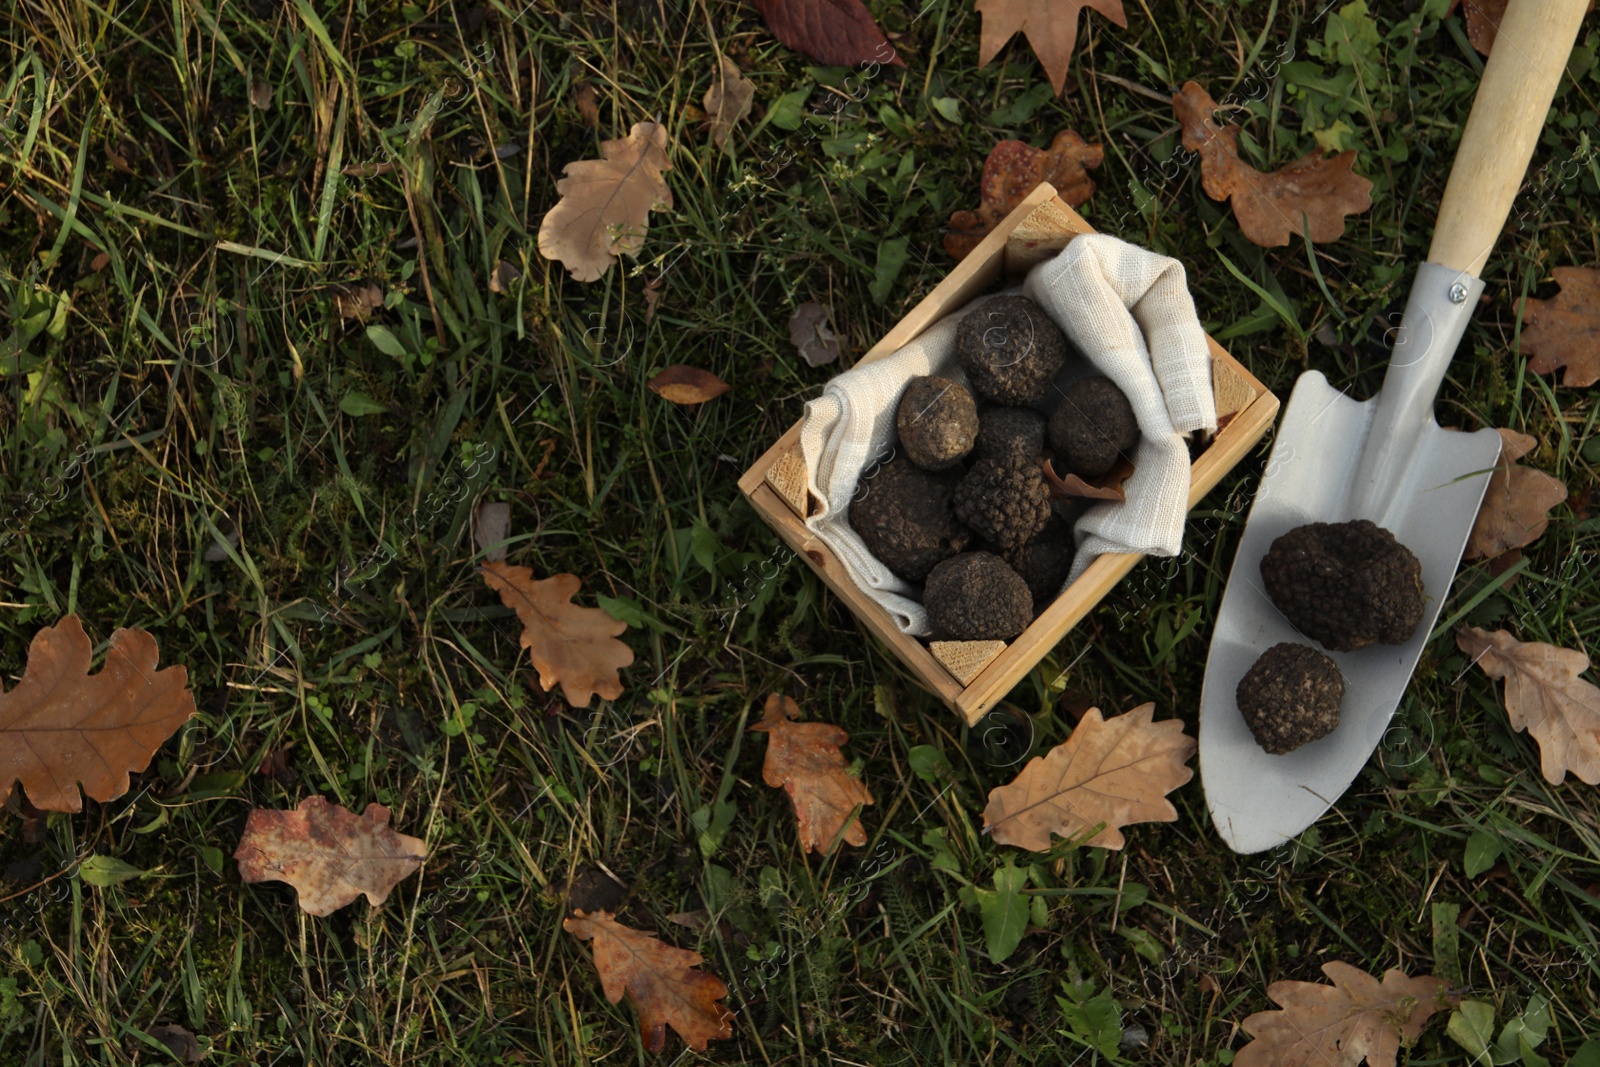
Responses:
[1383,459]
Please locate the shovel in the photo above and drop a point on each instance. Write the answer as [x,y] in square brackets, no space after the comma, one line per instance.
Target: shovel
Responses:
[1384,459]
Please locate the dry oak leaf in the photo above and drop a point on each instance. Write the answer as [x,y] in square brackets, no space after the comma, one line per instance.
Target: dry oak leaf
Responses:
[1356,1018]
[574,646]
[1483,21]
[62,726]
[1516,505]
[835,33]
[1109,773]
[1564,331]
[1271,209]
[605,203]
[1051,27]
[1545,696]
[329,854]
[728,100]
[1011,172]
[1107,486]
[661,982]
[803,759]
[683,384]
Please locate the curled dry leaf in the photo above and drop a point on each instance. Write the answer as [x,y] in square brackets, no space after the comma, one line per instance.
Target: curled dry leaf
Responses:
[182,1043]
[803,758]
[811,335]
[605,203]
[1483,18]
[1271,209]
[687,385]
[1106,487]
[358,301]
[1545,696]
[587,102]
[1011,172]
[1339,1025]
[1564,331]
[329,854]
[574,646]
[728,100]
[503,277]
[62,726]
[837,33]
[1108,774]
[661,982]
[1051,27]
[1516,505]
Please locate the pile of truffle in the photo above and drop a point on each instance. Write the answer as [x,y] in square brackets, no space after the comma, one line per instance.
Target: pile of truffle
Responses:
[1345,585]
[962,505]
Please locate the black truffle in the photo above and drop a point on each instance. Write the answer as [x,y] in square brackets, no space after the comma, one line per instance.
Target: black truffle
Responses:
[903,514]
[1290,697]
[1345,584]
[976,597]
[1045,561]
[1091,426]
[1005,504]
[1010,435]
[1010,350]
[938,421]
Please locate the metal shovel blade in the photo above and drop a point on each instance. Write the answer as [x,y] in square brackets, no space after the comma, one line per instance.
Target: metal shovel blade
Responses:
[1337,459]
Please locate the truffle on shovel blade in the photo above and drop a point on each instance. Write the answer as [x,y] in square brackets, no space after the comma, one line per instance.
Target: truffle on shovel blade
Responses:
[1290,697]
[1091,426]
[976,597]
[1011,350]
[937,421]
[1003,503]
[903,514]
[1345,584]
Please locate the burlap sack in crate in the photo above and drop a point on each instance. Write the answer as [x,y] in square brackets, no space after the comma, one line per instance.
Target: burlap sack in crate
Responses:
[1128,311]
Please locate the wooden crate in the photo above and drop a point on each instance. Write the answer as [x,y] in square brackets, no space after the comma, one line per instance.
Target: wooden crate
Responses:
[776,485]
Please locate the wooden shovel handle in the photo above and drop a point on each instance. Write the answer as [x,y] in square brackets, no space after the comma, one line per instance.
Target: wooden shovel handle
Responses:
[1519,81]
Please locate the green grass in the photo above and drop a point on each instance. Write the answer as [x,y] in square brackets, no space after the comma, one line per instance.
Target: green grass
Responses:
[199,384]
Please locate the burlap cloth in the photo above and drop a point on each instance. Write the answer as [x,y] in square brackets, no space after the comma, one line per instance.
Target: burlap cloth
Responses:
[1128,311]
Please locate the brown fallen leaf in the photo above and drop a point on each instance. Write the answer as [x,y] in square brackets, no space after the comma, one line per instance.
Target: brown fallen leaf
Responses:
[1108,774]
[1564,331]
[503,277]
[812,336]
[728,100]
[1106,487]
[329,854]
[261,94]
[605,204]
[62,726]
[652,297]
[836,33]
[1339,1025]
[182,1043]
[574,646]
[661,982]
[1483,20]
[357,301]
[1545,696]
[1516,505]
[1271,209]
[687,385]
[1051,27]
[588,102]
[803,759]
[1011,172]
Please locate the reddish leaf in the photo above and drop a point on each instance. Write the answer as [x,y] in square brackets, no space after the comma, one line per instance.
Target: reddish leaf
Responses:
[1271,209]
[1564,331]
[329,854]
[660,981]
[838,33]
[1106,487]
[1011,172]
[687,385]
[1051,27]
[1516,505]
[803,758]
